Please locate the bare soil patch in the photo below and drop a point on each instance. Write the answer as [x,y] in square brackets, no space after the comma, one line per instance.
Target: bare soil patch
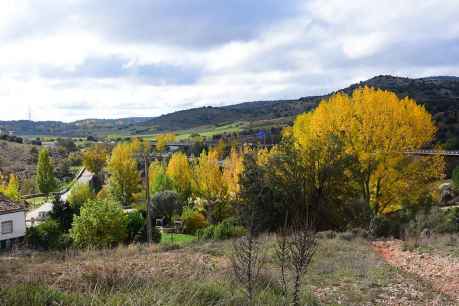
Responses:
[441,271]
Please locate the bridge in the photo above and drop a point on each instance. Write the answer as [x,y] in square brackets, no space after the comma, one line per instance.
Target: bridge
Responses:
[433,152]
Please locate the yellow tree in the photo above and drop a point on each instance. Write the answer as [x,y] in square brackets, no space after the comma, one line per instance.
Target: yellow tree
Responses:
[208,176]
[163,139]
[159,181]
[179,171]
[377,129]
[12,189]
[232,169]
[124,179]
[95,158]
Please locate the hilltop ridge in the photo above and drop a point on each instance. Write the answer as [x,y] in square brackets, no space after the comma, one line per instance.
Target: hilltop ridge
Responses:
[440,95]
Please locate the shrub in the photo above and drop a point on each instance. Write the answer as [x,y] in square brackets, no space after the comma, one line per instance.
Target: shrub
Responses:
[62,213]
[455,177]
[348,236]
[46,236]
[193,220]
[80,194]
[166,204]
[326,235]
[100,224]
[387,227]
[218,211]
[135,225]
[35,294]
[224,230]
[360,232]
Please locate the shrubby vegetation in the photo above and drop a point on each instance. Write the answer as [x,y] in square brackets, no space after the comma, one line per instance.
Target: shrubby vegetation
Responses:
[100,224]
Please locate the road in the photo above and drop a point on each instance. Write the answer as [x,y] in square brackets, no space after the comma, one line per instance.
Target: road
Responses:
[34,216]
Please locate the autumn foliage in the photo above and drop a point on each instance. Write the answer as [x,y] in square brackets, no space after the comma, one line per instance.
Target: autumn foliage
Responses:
[377,129]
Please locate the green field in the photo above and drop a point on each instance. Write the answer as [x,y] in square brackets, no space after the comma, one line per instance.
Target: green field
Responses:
[180,239]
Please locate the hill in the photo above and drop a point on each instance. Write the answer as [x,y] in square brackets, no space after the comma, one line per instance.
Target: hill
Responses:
[440,95]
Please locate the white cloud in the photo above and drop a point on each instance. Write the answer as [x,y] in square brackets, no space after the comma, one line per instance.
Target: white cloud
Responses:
[191,59]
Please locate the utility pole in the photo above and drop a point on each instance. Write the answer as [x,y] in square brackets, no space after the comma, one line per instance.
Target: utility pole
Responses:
[146,159]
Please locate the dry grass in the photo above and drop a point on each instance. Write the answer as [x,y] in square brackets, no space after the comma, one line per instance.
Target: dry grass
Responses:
[343,272]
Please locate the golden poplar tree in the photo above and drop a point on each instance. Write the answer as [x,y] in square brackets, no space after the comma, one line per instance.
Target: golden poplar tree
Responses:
[12,190]
[95,158]
[232,169]
[163,139]
[377,129]
[208,176]
[179,171]
[124,179]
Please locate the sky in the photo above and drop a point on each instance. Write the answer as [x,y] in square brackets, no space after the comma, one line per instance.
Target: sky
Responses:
[73,59]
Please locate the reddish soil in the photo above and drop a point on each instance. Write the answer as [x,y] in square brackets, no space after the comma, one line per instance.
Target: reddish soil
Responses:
[442,272]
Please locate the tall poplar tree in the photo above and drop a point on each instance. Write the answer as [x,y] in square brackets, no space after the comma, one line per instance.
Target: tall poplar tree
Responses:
[46,182]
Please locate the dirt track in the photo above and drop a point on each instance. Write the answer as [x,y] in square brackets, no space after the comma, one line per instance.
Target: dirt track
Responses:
[441,272]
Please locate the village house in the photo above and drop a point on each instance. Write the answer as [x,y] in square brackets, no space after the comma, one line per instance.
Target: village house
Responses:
[12,222]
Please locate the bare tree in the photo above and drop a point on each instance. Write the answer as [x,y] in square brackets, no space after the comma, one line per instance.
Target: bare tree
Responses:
[248,260]
[295,249]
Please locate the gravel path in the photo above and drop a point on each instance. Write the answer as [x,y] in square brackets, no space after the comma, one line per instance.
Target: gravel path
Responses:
[442,272]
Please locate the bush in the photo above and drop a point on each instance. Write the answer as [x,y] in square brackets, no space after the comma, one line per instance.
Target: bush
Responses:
[80,194]
[455,177]
[135,225]
[62,213]
[137,232]
[48,235]
[217,211]
[193,220]
[348,236]
[224,230]
[166,204]
[35,294]
[326,235]
[100,224]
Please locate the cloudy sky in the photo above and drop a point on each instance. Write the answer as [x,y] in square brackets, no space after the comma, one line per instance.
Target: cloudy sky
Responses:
[74,59]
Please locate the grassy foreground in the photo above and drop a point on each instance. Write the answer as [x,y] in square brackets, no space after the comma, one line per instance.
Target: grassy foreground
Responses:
[342,273]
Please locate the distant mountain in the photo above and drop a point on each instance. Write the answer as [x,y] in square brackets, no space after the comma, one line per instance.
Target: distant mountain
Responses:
[440,95]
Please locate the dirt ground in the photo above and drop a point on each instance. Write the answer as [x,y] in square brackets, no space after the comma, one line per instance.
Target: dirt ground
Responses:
[441,271]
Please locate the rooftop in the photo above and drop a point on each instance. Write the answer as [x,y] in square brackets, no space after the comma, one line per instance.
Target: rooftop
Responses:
[9,206]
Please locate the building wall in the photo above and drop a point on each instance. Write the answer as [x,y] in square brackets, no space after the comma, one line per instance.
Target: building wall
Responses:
[19,227]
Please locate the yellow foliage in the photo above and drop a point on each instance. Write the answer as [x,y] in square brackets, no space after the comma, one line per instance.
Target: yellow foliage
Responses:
[95,158]
[124,175]
[163,139]
[233,167]
[12,189]
[208,176]
[377,128]
[179,171]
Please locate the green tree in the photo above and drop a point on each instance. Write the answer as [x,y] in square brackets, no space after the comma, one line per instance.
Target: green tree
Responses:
[46,182]
[159,181]
[100,224]
[455,176]
[48,235]
[80,194]
[62,212]
[166,204]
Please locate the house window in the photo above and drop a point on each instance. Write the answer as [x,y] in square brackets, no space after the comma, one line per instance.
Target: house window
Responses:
[7,227]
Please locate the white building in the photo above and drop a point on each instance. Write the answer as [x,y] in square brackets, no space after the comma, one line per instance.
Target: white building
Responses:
[12,222]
